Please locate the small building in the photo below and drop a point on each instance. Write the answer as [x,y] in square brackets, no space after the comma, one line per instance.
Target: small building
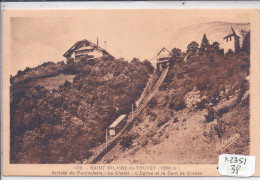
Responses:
[117,125]
[85,49]
[231,41]
[161,60]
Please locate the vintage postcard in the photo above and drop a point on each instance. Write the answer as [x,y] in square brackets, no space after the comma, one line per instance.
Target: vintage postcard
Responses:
[159,92]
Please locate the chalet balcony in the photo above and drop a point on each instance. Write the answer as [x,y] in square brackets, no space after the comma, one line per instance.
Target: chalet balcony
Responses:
[84,56]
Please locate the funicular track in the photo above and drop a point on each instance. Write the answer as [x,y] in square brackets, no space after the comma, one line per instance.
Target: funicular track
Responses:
[105,147]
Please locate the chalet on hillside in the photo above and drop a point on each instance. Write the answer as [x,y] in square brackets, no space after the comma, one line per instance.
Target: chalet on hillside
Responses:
[161,60]
[232,41]
[85,49]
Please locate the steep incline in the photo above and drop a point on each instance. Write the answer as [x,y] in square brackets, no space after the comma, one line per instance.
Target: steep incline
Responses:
[105,147]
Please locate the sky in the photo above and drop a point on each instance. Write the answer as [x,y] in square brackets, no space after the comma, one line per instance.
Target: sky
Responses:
[129,33]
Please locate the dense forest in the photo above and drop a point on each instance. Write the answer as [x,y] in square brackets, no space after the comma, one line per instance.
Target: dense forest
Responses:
[62,125]
[207,69]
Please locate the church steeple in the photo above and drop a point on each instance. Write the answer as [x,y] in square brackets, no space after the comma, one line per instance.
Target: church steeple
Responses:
[232,36]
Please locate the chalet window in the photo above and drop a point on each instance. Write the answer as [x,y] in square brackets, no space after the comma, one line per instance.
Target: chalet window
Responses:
[78,57]
[227,39]
[84,51]
[230,38]
[112,132]
[89,50]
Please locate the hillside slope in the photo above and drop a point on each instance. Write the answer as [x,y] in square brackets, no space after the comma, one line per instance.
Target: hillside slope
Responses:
[201,103]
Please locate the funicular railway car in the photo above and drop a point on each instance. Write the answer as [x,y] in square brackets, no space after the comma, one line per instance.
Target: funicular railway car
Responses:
[117,125]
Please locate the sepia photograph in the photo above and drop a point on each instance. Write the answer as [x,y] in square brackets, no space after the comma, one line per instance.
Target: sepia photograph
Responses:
[129,87]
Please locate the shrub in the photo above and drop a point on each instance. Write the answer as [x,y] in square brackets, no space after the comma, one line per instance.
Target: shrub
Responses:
[177,102]
[150,113]
[169,78]
[180,105]
[202,82]
[202,104]
[175,120]
[205,134]
[127,142]
[230,53]
[220,128]
[39,88]
[150,134]
[67,84]
[162,122]
[163,87]
[153,103]
[171,106]
[210,116]
[222,111]
[155,140]
[192,98]
[143,142]
[180,75]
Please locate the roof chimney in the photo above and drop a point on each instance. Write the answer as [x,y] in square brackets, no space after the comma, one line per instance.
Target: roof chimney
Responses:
[97,41]
[105,44]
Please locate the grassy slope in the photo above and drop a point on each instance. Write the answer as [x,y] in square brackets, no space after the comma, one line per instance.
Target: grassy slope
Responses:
[51,83]
[44,70]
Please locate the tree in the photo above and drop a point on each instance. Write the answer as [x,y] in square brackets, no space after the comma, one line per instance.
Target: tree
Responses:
[215,46]
[230,52]
[135,60]
[11,79]
[19,72]
[192,49]
[176,52]
[175,56]
[204,46]
[213,50]
[246,43]
[149,66]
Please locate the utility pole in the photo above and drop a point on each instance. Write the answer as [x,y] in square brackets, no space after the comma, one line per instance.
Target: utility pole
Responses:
[132,110]
[106,139]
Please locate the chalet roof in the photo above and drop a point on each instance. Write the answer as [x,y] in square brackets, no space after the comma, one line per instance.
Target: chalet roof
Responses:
[164,50]
[68,53]
[231,32]
[117,121]
[161,55]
